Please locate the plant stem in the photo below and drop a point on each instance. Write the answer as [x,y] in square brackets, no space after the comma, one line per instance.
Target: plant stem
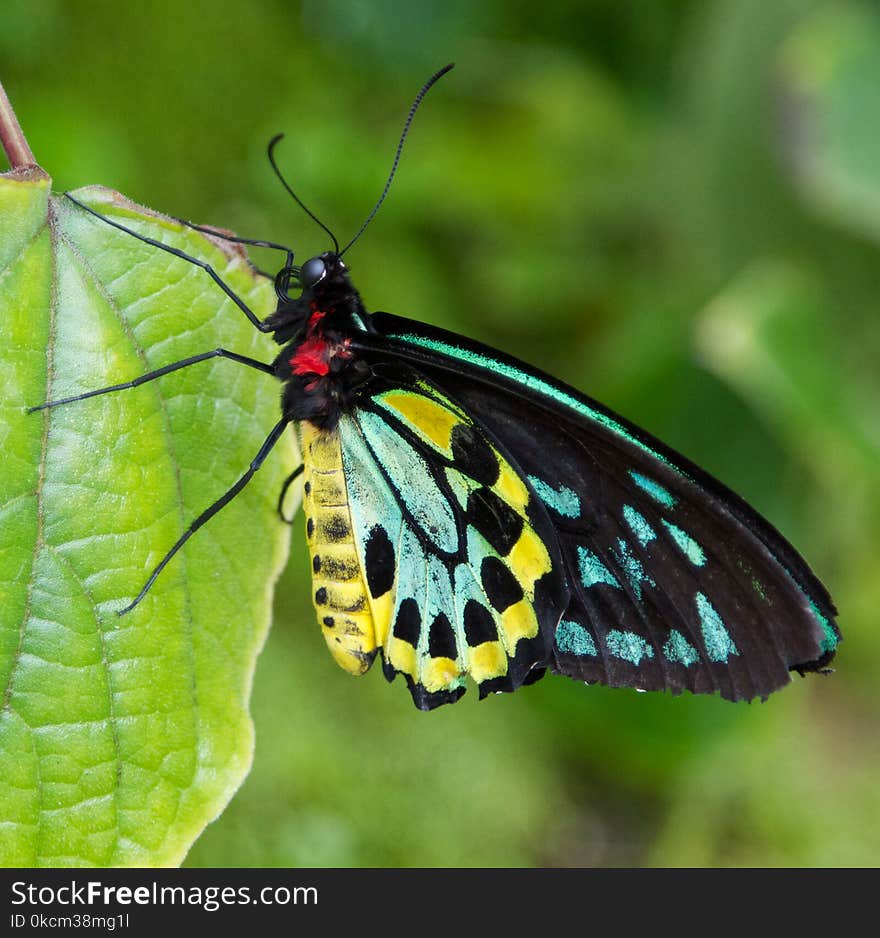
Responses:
[15,146]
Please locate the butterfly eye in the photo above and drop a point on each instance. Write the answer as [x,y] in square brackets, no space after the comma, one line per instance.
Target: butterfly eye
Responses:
[312,272]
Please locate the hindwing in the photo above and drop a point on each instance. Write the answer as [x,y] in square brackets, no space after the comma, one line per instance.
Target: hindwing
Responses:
[463,570]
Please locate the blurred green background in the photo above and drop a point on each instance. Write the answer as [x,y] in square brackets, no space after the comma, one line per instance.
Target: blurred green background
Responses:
[674,206]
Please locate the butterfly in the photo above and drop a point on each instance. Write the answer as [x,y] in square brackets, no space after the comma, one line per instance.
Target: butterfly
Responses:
[469,517]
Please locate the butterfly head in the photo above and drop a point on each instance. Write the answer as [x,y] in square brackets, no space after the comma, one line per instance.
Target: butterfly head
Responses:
[323,272]
[327,298]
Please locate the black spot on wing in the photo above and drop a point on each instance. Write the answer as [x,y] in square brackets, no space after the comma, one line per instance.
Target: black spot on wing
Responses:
[441,641]
[408,623]
[500,585]
[494,519]
[473,455]
[479,626]
[379,560]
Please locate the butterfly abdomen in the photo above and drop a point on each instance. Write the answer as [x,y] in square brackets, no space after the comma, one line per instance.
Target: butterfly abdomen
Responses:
[339,590]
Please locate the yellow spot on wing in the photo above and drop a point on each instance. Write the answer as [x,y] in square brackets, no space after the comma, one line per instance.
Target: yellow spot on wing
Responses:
[487,661]
[402,656]
[518,621]
[528,560]
[382,608]
[439,674]
[511,488]
[430,418]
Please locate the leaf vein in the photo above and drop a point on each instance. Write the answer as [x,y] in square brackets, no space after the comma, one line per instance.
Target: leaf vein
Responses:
[113,305]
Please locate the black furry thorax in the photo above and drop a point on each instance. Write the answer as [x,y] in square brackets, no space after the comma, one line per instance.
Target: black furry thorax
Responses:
[322,376]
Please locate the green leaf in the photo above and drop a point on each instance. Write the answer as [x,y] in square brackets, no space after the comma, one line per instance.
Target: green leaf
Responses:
[122,737]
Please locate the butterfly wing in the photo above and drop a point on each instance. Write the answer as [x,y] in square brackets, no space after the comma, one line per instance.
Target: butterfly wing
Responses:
[674,581]
[452,565]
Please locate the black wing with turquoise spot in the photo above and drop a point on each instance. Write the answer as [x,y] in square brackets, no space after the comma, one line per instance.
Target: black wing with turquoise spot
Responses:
[671,580]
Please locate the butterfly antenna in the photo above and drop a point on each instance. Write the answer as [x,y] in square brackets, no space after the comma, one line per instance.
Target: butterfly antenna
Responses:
[412,113]
[272,144]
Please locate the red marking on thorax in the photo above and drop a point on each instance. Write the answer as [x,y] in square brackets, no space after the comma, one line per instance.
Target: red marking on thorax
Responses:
[313,356]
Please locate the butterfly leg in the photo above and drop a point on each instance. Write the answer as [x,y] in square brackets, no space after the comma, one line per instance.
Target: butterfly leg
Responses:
[253,242]
[239,302]
[212,510]
[158,373]
[287,483]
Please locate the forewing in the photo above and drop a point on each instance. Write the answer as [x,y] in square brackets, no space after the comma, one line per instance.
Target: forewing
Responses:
[675,582]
